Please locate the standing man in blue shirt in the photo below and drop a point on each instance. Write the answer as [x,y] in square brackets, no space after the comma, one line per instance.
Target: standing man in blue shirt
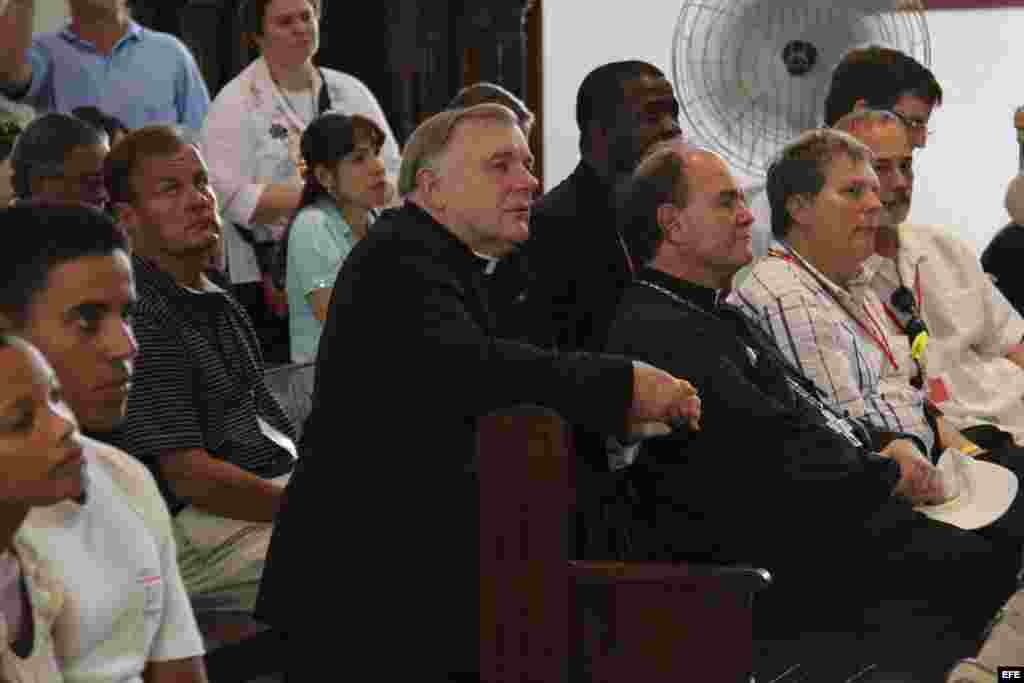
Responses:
[103,59]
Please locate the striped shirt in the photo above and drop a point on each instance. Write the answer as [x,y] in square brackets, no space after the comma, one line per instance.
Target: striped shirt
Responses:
[839,339]
[198,382]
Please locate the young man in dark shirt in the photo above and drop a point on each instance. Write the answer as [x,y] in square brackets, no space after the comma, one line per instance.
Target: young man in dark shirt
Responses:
[574,257]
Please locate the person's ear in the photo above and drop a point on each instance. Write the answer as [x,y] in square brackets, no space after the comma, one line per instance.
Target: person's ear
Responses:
[598,135]
[325,178]
[798,206]
[667,216]
[428,181]
[127,219]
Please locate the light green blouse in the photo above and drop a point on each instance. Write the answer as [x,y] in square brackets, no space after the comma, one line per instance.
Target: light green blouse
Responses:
[318,243]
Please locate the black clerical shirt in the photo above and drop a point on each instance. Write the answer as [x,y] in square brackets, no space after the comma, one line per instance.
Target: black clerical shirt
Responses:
[769,449]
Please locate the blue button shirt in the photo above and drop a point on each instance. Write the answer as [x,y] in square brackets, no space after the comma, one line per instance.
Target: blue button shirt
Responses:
[149,77]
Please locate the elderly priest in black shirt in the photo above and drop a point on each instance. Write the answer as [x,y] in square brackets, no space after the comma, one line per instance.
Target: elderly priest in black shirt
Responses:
[775,478]
[379,532]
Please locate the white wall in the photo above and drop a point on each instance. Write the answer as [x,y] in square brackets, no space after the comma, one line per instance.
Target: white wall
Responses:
[962,174]
[966,167]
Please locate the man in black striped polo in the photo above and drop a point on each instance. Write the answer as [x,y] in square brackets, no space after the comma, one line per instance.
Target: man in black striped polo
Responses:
[199,414]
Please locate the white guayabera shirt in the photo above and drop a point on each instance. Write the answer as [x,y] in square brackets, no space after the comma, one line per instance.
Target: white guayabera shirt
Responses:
[971,326]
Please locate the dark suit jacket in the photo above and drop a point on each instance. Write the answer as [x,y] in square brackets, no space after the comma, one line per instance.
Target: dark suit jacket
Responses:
[387,488]
[766,454]
[1003,258]
[577,263]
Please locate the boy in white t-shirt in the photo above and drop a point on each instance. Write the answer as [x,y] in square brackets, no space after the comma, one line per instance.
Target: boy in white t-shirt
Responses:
[125,603]
[69,290]
[40,453]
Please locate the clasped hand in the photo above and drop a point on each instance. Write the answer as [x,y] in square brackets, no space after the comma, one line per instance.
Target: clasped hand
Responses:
[661,402]
[920,482]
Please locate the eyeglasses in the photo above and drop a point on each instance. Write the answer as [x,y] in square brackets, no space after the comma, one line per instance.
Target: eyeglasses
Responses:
[914,125]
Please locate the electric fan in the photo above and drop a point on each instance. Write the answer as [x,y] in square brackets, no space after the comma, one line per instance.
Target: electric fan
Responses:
[753,74]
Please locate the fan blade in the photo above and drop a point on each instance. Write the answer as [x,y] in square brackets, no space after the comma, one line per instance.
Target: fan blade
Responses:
[753,74]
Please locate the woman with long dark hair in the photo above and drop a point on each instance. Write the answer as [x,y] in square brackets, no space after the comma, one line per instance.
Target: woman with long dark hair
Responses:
[345,183]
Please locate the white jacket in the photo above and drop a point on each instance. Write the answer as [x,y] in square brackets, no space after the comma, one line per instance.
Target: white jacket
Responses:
[970,322]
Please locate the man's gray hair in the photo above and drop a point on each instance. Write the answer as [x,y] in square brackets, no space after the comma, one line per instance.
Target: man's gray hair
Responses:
[483,92]
[429,142]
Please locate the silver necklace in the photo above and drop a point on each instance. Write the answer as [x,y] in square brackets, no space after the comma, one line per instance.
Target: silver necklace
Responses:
[675,297]
[291,105]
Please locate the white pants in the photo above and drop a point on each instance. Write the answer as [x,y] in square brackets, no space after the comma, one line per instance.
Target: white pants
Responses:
[221,559]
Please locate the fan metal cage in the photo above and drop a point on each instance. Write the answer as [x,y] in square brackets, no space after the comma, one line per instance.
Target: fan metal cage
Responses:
[753,74]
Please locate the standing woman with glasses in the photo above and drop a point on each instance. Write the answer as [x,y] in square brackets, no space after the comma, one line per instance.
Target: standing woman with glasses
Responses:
[251,142]
[345,182]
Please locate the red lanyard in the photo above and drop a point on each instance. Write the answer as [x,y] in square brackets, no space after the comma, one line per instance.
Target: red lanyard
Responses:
[880,340]
[917,290]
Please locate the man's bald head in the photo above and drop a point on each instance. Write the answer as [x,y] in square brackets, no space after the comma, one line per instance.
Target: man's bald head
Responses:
[684,213]
[659,179]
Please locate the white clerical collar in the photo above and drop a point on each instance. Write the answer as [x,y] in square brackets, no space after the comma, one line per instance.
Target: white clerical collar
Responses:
[492,262]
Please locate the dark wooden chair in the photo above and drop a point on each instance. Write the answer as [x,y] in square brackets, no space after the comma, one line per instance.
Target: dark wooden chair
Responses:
[546,618]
